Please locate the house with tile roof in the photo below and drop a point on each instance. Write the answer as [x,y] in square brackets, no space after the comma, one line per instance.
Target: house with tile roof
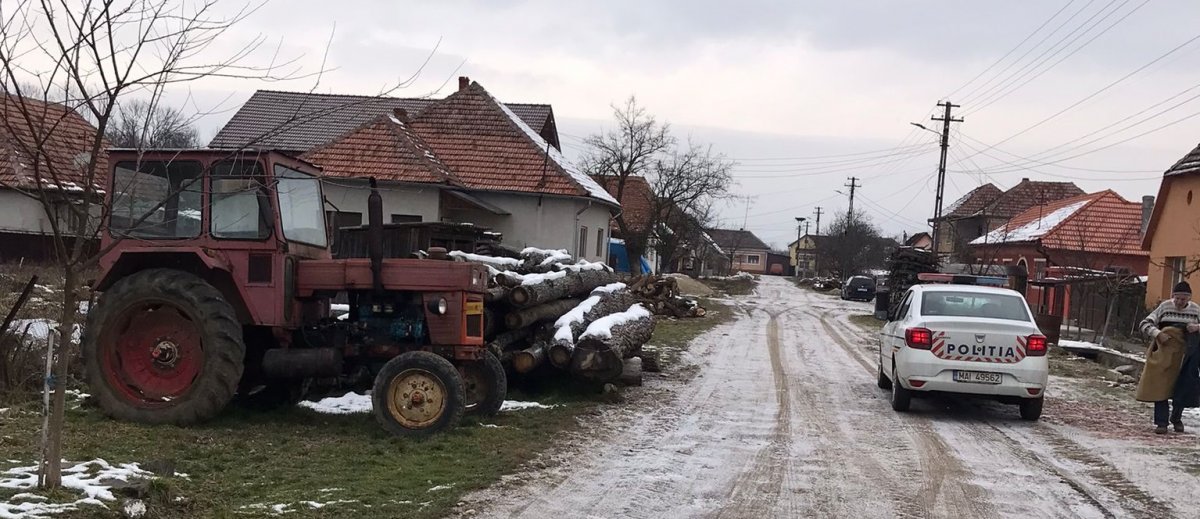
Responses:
[1172,235]
[1095,231]
[746,252]
[58,169]
[466,158]
[986,208]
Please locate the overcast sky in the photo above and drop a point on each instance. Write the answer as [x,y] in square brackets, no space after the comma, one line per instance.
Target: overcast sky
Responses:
[801,94]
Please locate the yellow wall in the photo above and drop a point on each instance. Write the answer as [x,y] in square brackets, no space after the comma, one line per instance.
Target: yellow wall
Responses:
[1177,234]
[807,248]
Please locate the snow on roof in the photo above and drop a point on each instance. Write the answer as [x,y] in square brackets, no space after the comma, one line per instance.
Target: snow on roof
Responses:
[1032,230]
[581,178]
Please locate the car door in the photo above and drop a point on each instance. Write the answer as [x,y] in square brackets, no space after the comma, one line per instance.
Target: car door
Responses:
[892,335]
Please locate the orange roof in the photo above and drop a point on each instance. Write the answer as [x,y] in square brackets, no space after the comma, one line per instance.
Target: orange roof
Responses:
[488,147]
[1100,222]
[61,161]
[384,148]
[635,200]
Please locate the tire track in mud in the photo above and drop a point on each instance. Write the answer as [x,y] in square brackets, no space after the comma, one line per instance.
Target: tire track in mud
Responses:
[961,498]
[1099,471]
[748,497]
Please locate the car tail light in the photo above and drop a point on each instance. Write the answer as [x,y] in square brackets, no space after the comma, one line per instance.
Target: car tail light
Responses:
[919,338]
[1035,345]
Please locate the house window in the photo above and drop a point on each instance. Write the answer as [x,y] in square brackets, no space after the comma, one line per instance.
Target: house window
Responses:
[1176,269]
[752,259]
[406,218]
[739,258]
[600,243]
[339,219]
[582,241]
[1039,268]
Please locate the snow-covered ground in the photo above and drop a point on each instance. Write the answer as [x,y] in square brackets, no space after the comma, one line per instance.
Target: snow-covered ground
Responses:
[91,480]
[355,403]
[783,419]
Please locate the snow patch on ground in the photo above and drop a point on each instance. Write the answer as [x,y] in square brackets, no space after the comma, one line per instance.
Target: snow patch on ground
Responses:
[440,488]
[40,329]
[517,405]
[603,326]
[348,403]
[92,479]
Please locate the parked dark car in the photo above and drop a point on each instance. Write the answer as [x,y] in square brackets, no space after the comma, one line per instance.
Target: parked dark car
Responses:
[860,288]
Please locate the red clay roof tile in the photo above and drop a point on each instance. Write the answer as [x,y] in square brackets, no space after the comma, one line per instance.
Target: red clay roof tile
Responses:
[384,148]
[67,142]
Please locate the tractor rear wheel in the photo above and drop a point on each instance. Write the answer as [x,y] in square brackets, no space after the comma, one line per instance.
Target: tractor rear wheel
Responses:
[163,346]
[418,394]
[485,384]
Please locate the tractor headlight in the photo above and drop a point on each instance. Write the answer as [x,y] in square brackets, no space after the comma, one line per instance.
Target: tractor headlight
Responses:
[440,306]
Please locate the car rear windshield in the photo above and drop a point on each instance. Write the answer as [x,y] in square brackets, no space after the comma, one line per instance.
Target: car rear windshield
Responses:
[967,304]
[862,282]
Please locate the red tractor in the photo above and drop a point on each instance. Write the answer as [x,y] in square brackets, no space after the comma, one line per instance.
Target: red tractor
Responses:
[216,283]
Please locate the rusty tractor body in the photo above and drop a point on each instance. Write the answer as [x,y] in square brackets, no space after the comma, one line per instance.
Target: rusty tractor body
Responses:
[217,281]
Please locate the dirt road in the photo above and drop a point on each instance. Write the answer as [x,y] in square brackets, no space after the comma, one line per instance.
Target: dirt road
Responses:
[783,419]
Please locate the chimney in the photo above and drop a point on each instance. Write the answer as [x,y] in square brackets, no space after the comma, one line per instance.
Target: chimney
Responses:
[1024,180]
[1147,210]
[400,114]
[463,83]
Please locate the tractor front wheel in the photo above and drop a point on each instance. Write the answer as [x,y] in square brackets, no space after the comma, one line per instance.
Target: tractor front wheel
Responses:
[418,394]
[163,346]
[485,384]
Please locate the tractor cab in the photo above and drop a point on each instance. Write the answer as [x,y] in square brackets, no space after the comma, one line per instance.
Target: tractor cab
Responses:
[217,281]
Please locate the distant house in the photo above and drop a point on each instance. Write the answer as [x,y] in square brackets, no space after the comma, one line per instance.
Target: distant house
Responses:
[57,168]
[921,240]
[1172,234]
[805,253]
[746,252]
[464,159]
[1081,238]
[986,208]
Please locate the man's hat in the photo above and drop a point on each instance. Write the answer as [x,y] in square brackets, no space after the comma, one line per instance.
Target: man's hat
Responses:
[1182,287]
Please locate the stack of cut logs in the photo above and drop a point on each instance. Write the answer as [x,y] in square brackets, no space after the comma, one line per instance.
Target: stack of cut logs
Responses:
[545,308]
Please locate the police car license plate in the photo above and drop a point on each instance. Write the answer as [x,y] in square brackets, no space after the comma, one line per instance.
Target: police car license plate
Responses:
[978,377]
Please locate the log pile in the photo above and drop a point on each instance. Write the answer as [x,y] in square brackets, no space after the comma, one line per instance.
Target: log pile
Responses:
[661,296]
[904,264]
[550,311]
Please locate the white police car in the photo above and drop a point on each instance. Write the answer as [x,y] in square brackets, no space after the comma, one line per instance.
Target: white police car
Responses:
[964,339]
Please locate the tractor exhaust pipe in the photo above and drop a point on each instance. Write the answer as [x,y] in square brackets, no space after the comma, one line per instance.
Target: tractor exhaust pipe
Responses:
[302,363]
[375,236]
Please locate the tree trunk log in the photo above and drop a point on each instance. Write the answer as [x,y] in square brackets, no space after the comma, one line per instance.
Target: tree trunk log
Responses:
[560,354]
[631,372]
[537,314]
[495,294]
[504,340]
[573,284]
[601,358]
[529,358]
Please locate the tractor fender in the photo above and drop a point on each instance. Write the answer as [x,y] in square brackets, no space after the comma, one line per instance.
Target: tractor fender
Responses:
[210,265]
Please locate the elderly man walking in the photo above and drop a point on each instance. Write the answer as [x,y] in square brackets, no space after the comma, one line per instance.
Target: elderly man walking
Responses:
[1173,359]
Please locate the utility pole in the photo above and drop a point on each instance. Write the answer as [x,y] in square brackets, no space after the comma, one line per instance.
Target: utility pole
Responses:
[850,214]
[946,119]
[818,221]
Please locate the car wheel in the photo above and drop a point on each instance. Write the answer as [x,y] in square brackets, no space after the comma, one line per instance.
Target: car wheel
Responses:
[1031,409]
[883,382]
[901,397]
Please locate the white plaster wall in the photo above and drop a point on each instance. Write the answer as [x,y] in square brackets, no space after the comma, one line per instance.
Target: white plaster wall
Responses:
[19,213]
[546,222]
[350,195]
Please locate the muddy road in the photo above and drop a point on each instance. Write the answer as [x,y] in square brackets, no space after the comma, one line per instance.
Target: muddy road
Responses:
[783,419]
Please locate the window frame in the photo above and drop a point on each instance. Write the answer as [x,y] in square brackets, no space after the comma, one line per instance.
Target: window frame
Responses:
[600,242]
[583,234]
[129,232]
[281,172]
[262,196]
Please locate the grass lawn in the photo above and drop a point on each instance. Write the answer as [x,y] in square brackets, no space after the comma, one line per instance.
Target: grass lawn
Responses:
[245,462]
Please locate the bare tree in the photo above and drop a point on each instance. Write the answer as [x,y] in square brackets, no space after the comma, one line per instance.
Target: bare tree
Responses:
[91,57]
[852,246]
[684,186]
[141,124]
[629,150]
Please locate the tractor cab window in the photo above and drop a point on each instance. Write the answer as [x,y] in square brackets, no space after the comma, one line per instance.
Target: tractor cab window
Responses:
[156,199]
[241,207]
[301,208]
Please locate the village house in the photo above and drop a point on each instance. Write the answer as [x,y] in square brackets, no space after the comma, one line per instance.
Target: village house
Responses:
[465,159]
[1081,254]
[804,254]
[697,254]
[1172,234]
[986,208]
[746,252]
[57,169]
[921,240]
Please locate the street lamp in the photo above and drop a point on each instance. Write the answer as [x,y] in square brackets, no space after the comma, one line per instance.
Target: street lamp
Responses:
[799,223]
[922,126]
